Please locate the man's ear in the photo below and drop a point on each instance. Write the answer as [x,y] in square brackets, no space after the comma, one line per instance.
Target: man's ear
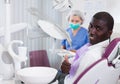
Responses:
[110,33]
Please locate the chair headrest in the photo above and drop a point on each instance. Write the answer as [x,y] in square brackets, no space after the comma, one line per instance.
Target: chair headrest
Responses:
[112,49]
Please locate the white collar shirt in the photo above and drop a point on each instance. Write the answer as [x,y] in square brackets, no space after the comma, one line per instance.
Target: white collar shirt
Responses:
[93,54]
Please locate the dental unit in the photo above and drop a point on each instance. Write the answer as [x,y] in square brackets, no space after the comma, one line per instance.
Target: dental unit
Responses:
[43,75]
[22,54]
[8,70]
[10,62]
[106,70]
[6,65]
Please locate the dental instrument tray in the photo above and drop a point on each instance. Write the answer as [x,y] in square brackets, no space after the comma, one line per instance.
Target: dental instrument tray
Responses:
[63,52]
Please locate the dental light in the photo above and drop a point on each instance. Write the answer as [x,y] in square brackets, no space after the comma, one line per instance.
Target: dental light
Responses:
[54,30]
[62,5]
[34,11]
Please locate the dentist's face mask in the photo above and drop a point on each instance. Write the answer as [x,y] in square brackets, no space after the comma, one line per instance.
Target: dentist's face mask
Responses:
[75,22]
[74,26]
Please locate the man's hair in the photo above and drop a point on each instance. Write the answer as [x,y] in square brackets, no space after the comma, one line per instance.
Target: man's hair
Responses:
[105,16]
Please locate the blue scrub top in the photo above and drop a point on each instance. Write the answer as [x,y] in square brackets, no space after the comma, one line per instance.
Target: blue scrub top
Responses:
[78,40]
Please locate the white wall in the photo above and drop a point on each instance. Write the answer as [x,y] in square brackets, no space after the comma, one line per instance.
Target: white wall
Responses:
[113,8]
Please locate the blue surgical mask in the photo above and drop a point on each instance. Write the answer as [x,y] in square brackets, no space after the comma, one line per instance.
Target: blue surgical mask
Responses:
[74,26]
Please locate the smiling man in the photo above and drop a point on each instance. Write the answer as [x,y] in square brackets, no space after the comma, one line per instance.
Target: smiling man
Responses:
[100,30]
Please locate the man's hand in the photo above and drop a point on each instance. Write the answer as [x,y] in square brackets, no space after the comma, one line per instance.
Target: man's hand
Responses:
[73,51]
[65,67]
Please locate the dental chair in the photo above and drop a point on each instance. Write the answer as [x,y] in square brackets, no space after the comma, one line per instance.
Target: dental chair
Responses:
[106,70]
[39,58]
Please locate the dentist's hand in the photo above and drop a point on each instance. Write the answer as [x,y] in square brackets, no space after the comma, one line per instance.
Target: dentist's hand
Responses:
[65,67]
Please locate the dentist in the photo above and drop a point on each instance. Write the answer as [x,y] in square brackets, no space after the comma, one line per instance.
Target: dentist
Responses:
[77,33]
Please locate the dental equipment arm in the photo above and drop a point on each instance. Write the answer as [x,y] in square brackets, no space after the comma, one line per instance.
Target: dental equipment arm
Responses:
[62,5]
[12,53]
[13,28]
[21,57]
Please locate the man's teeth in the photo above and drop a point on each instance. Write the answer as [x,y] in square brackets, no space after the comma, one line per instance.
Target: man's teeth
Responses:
[91,37]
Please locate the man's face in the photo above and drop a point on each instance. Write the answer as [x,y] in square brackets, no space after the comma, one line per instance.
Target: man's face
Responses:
[98,31]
